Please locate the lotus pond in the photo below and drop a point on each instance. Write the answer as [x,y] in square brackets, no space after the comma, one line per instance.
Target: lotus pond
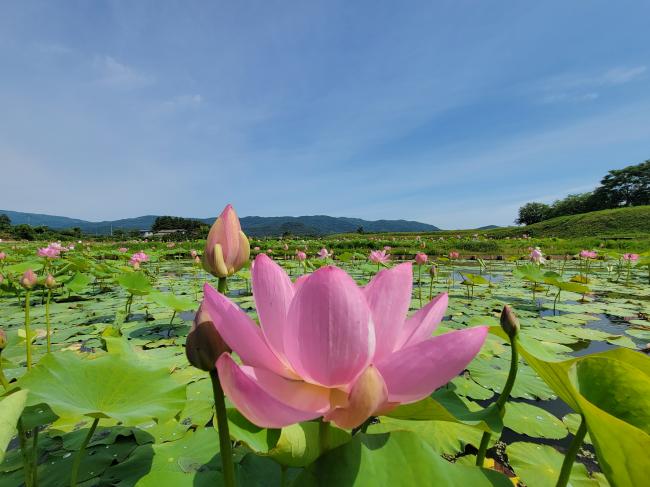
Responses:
[107,396]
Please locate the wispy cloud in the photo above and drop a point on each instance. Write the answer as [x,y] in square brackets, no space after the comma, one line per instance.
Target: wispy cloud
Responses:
[114,73]
[184,101]
[581,87]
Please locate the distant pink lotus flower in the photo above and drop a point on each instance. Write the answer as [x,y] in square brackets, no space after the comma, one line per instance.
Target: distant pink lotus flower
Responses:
[588,254]
[379,256]
[29,279]
[421,258]
[387,248]
[300,255]
[269,251]
[227,248]
[328,348]
[171,245]
[285,247]
[536,256]
[71,247]
[57,246]
[193,253]
[3,256]
[454,255]
[122,250]
[631,257]
[49,252]
[138,258]
[323,253]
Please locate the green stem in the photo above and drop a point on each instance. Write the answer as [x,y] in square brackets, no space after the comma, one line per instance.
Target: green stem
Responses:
[27,468]
[228,468]
[80,453]
[221,286]
[571,454]
[3,379]
[420,283]
[47,320]
[324,435]
[503,397]
[28,337]
[35,457]
[283,475]
[172,320]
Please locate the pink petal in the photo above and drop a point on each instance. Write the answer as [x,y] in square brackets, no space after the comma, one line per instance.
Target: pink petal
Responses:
[330,339]
[273,292]
[420,326]
[299,282]
[415,372]
[253,401]
[240,332]
[389,296]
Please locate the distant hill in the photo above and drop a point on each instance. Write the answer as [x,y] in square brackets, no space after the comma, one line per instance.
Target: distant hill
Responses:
[252,225]
[630,221]
[488,227]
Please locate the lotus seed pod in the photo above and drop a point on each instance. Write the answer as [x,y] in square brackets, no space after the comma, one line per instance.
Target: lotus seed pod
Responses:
[509,321]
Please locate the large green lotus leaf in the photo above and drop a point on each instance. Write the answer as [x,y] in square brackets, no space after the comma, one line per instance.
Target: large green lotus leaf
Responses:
[21,267]
[400,458]
[78,282]
[465,386]
[135,283]
[540,465]
[114,386]
[297,445]
[533,421]
[174,302]
[11,407]
[446,406]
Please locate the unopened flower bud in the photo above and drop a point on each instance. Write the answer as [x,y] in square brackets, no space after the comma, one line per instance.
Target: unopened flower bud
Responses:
[50,282]
[433,270]
[204,345]
[509,321]
[29,279]
[227,249]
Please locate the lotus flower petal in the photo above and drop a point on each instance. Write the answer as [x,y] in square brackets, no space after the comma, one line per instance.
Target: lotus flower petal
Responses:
[254,401]
[420,326]
[413,373]
[389,295]
[240,333]
[329,338]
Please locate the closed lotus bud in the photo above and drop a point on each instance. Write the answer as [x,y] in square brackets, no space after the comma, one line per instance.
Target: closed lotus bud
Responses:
[509,321]
[50,282]
[3,339]
[420,258]
[197,260]
[433,270]
[204,345]
[29,279]
[227,249]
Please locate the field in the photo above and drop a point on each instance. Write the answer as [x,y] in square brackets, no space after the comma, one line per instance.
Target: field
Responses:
[115,402]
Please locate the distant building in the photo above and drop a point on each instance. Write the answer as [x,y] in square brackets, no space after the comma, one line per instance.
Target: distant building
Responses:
[146,233]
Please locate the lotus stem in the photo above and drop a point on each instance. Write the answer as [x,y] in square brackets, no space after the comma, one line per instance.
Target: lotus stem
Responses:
[225,445]
[28,337]
[80,453]
[27,466]
[503,398]
[47,320]
[571,454]
[283,475]
[35,457]
[420,283]
[323,435]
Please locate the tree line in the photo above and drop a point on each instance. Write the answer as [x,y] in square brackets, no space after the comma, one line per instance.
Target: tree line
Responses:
[629,186]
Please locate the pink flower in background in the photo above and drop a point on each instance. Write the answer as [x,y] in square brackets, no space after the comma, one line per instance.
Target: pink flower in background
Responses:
[171,245]
[588,254]
[421,258]
[285,247]
[379,256]
[49,252]
[29,279]
[256,249]
[454,255]
[300,255]
[193,253]
[227,248]
[57,246]
[323,253]
[631,257]
[536,256]
[387,248]
[3,256]
[327,347]
[122,250]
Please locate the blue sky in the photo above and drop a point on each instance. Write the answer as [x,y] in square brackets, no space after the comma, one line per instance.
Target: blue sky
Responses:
[453,113]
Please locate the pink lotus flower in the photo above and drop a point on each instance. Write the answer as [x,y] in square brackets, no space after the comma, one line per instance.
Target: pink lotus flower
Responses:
[193,253]
[454,255]
[49,252]
[285,247]
[138,258]
[329,348]
[300,255]
[387,248]
[29,279]
[379,257]
[171,245]
[588,254]
[3,256]
[122,250]
[324,254]
[256,249]
[631,257]
[227,248]
[536,256]
[421,259]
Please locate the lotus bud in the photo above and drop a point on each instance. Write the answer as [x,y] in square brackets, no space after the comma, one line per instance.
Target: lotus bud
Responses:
[3,256]
[29,279]
[509,321]
[3,340]
[204,345]
[421,258]
[50,282]
[433,270]
[227,249]
[197,260]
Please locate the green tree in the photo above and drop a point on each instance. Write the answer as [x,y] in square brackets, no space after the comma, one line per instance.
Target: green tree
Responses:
[572,205]
[629,186]
[532,213]
[5,222]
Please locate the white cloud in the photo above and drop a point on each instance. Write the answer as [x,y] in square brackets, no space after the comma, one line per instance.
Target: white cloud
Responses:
[184,101]
[115,73]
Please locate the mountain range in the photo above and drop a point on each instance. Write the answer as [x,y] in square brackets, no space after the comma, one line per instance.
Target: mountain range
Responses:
[252,225]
